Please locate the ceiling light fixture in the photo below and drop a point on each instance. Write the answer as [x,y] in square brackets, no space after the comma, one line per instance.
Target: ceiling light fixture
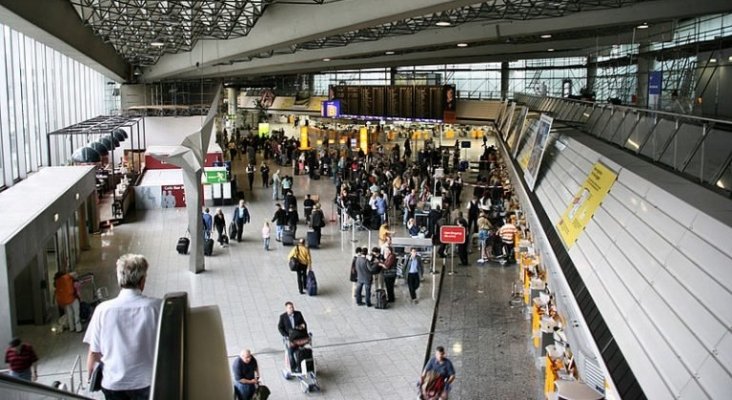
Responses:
[157,43]
[546,36]
[462,45]
[712,60]
[549,49]
[730,58]
[326,59]
[137,71]
[643,26]
[388,53]
[443,23]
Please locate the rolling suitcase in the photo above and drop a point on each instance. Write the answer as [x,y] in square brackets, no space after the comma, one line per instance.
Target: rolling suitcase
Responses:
[288,238]
[311,284]
[381,299]
[312,239]
[183,244]
[208,245]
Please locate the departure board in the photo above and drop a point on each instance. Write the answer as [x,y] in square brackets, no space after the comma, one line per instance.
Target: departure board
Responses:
[409,102]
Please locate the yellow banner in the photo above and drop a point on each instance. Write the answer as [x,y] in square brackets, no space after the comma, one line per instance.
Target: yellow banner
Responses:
[364,142]
[583,206]
[304,138]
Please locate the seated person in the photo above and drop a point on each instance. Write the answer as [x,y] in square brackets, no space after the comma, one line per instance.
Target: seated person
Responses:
[246,375]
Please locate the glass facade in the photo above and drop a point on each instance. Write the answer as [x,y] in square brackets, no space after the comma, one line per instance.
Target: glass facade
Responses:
[41,90]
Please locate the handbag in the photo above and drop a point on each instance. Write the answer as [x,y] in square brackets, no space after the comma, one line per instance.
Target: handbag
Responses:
[261,393]
[294,264]
[95,382]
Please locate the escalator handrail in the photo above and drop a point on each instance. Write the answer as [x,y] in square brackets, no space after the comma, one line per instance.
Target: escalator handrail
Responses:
[169,367]
[22,386]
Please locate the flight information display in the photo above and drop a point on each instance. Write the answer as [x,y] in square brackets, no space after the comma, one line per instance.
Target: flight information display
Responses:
[409,102]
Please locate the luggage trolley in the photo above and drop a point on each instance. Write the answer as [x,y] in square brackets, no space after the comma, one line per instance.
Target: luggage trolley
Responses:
[90,295]
[299,360]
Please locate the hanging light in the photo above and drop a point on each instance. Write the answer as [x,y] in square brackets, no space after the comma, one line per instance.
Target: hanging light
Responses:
[107,142]
[122,131]
[86,155]
[119,134]
[100,148]
[114,140]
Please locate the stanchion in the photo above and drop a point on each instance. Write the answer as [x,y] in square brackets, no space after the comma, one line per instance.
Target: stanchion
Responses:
[452,259]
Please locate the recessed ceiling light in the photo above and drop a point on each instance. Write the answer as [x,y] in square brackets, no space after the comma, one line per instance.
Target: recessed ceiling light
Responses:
[615,46]
[462,45]
[326,59]
[157,43]
[712,60]
[443,23]
[388,53]
[730,58]
[549,49]
[547,36]
[642,26]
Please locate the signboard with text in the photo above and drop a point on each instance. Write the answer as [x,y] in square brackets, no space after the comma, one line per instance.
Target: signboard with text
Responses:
[452,234]
[584,204]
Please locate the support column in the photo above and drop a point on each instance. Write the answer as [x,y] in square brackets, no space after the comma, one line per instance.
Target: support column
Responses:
[392,75]
[645,65]
[591,75]
[504,79]
[194,196]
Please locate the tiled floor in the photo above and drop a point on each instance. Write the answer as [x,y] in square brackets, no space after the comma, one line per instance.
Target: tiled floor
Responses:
[361,353]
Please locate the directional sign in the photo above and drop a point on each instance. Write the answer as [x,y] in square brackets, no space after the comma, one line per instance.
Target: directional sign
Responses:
[452,234]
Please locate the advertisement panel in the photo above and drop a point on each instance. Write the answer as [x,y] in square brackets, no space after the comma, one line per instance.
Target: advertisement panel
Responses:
[172,196]
[537,150]
[584,204]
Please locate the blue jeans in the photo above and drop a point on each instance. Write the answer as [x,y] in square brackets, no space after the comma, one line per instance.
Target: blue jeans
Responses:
[244,391]
[279,229]
[23,374]
[359,286]
[136,394]
[266,243]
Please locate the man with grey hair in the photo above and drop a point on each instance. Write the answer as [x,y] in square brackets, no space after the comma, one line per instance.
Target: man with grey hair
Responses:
[122,333]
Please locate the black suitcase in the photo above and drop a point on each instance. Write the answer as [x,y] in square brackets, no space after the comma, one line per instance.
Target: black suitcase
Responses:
[208,245]
[381,300]
[183,244]
[463,166]
[312,239]
[288,238]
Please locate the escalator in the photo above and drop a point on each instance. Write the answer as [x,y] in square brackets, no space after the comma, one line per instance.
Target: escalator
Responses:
[190,359]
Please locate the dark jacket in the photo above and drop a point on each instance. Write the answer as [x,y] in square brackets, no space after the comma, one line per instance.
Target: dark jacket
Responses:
[363,270]
[292,218]
[243,218]
[284,326]
[280,217]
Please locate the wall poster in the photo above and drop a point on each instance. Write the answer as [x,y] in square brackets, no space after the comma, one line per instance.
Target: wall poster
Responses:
[537,150]
[517,130]
[584,204]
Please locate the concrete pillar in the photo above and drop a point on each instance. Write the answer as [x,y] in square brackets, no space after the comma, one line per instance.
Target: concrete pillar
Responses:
[645,65]
[392,75]
[591,73]
[231,97]
[194,197]
[504,79]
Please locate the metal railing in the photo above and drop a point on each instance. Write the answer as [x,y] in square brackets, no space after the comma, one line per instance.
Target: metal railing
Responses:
[696,147]
[18,389]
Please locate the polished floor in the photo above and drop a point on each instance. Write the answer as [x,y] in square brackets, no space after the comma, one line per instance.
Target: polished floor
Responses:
[361,353]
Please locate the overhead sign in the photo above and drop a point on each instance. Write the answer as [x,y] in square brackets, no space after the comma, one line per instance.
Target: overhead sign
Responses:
[452,234]
[584,204]
[216,175]
[330,109]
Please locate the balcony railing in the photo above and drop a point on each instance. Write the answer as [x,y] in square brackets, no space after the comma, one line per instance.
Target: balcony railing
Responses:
[696,147]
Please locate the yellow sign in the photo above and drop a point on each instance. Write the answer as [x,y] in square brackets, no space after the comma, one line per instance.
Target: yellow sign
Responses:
[304,137]
[364,142]
[585,203]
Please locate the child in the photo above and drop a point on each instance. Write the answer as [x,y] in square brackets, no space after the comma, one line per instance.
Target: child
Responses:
[265,235]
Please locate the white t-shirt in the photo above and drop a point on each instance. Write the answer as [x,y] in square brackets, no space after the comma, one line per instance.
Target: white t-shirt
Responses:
[124,330]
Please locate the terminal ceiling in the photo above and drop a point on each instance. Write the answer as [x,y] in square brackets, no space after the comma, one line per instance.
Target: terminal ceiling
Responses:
[191,39]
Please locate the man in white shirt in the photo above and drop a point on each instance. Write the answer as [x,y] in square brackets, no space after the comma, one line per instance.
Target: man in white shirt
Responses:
[122,333]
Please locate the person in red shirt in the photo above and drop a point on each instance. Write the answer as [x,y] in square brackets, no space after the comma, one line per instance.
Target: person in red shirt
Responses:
[21,359]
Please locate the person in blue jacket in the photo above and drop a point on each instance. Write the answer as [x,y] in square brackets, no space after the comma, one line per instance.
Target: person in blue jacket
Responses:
[241,217]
